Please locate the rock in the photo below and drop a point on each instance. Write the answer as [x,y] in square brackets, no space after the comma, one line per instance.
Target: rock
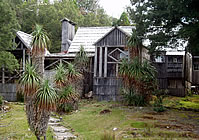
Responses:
[53,120]
[89,95]
[60,129]
[114,129]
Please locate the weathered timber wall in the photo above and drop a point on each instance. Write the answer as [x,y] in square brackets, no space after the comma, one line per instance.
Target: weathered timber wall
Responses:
[8,91]
[107,89]
[180,92]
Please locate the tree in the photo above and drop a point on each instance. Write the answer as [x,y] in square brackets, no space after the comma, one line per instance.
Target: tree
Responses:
[8,26]
[139,81]
[124,20]
[87,6]
[167,23]
[65,79]
[40,44]
[40,99]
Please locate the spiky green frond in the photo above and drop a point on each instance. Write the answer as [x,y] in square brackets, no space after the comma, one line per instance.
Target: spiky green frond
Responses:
[46,97]
[60,78]
[68,95]
[40,41]
[29,81]
[71,73]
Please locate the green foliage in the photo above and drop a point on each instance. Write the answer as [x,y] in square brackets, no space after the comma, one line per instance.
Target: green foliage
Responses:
[50,15]
[8,24]
[123,20]
[29,81]
[138,124]
[165,22]
[60,78]
[40,40]
[139,79]
[8,61]
[132,98]
[81,60]
[46,97]
[158,102]
[68,99]
[108,136]
[71,73]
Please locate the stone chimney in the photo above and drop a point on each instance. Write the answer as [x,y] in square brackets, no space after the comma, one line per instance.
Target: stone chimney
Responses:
[68,33]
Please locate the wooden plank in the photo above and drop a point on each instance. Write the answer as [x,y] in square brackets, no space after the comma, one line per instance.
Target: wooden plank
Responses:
[105,61]
[95,63]
[117,69]
[100,62]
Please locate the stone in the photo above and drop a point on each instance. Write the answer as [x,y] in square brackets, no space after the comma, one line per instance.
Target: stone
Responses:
[89,95]
[53,120]
[60,129]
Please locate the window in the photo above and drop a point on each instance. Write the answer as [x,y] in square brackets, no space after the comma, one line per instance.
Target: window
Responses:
[196,66]
[175,60]
[159,59]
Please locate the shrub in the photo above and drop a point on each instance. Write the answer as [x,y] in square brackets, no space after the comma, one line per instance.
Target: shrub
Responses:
[158,103]
[131,98]
[68,100]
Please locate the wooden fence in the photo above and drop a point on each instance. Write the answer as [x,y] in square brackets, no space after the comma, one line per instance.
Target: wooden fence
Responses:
[8,91]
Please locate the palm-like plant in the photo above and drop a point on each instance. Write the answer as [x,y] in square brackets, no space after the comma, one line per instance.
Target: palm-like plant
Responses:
[46,97]
[68,95]
[60,76]
[81,60]
[45,101]
[139,78]
[29,81]
[40,100]
[39,45]
[71,73]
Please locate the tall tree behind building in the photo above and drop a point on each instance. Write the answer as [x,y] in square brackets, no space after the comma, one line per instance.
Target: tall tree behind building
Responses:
[8,26]
[167,22]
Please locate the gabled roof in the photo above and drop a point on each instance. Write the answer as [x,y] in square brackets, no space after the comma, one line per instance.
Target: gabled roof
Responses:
[25,38]
[87,36]
[127,30]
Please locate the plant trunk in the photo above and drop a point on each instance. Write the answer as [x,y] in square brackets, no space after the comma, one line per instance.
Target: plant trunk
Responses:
[37,119]
[38,62]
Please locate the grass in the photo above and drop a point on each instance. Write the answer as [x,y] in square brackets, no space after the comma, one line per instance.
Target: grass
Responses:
[130,123]
[186,103]
[104,120]
[15,126]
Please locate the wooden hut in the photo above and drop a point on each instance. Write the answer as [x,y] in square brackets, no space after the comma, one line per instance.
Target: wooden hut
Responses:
[174,71]
[109,51]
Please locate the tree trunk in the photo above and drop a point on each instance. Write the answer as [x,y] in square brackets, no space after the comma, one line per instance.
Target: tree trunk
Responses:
[38,62]
[37,119]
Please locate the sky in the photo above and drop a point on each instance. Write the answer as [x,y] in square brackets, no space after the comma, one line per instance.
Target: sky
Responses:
[114,7]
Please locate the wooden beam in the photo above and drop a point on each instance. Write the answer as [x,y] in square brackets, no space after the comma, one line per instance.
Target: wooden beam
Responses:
[117,69]
[24,59]
[95,63]
[105,62]
[100,62]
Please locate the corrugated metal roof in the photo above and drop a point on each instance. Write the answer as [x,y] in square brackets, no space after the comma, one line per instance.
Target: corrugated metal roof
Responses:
[87,36]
